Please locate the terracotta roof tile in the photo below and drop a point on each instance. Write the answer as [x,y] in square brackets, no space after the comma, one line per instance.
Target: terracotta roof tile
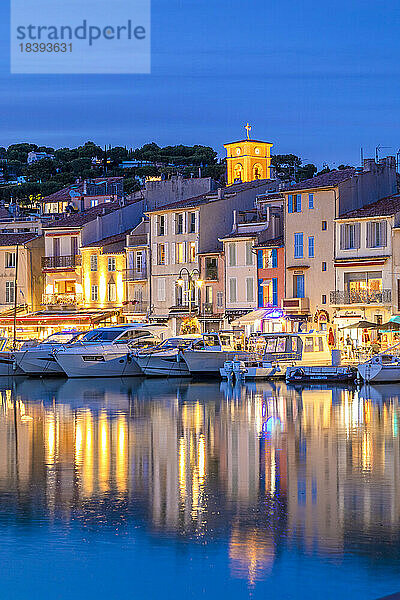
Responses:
[381,208]
[331,179]
[12,239]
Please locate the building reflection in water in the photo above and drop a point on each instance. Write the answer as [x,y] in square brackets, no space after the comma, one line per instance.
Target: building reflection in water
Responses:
[263,466]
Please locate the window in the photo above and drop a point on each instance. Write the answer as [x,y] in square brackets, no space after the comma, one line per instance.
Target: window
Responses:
[111,263]
[179,223]
[161,254]
[93,262]
[209,295]
[94,202]
[363,286]
[10,292]
[232,289]
[95,293]
[180,253]
[139,261]
[294,203]
[323,299]
[311,246]
[310,200]
[249,289]
[10,260]
[192,222]
[269,259]
[324,266]
[192,252]
[162,230]
[56,247]
[298,245]
[161,289]
[349,236]
[324,226]
[211,269]
[249,253]
[376,234]
[232,254]
[111,292]
[220,299]
[298,286]
[74,246]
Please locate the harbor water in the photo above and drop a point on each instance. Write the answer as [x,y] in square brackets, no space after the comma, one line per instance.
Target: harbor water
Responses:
[169,488]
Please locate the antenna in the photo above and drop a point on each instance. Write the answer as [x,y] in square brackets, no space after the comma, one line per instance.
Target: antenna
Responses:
[362,156]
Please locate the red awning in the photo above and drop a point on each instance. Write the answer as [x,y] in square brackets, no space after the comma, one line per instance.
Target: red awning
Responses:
[37,319]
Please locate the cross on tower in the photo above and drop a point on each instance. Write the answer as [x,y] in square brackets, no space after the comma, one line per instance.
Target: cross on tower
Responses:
[248,129]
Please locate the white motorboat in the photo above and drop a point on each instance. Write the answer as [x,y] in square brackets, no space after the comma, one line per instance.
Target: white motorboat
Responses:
[281,350]
[208,355]
[166,360]
[107,351]
[382,368]
[39,359]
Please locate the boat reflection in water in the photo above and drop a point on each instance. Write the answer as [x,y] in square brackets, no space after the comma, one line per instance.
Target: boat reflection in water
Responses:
[262,486]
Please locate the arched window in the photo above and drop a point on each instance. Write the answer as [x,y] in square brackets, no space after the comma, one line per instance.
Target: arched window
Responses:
[238,172]
[257,171]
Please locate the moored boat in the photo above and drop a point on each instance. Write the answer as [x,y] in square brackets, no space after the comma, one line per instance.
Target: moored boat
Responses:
[208,355]
[166,360]
[39,359]
[382,368]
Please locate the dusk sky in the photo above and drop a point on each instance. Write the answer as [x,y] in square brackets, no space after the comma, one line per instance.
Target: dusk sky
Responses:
[316,79]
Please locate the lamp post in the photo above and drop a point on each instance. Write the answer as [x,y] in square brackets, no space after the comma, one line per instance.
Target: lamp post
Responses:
[191,278]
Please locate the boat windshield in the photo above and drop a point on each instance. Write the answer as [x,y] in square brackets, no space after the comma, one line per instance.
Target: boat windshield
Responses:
[176,343]
[63,337]
[102,335]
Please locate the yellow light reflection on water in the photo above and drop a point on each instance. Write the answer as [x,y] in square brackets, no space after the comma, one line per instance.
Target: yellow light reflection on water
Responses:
[182,468]
[104,456]
[121,465]
[51,438]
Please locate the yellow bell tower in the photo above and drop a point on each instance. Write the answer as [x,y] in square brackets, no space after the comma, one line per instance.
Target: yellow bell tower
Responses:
[248,160]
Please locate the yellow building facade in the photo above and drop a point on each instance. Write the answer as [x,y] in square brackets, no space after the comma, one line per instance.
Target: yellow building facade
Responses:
[248,160]
[103,273]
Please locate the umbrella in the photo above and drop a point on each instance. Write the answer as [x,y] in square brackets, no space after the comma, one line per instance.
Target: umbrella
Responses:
[389,326]
[361,325]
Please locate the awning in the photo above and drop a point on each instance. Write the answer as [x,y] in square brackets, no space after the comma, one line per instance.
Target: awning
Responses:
[259,315]
[360,325]
[56,319]
[395,319]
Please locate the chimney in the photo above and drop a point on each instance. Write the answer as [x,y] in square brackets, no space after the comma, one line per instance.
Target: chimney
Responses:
[234,225]
[369,165]
[221,193]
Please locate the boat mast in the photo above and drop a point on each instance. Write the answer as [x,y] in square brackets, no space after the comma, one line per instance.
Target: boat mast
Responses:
[15,300]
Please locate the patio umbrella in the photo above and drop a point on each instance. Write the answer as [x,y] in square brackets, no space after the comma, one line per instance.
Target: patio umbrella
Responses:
[361,325]
[389,326]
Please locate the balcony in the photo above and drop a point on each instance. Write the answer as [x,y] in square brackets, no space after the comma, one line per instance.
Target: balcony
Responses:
[211,274]
[300,305]
[362,297]
[67,300]
[135,275]
[61,262]
[135,307]
[207,308]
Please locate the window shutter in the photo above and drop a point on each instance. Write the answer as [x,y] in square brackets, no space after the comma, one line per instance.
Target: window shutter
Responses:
[298,202]
[197,221]
[154,261]
[290,203]
[249,289]
[172,257]
[260,259]
[383,233]
[274,258]
[155,223]
[357,227]
[185,252]
[369,234]
[185,223]
[342,236]
[196,250]
[166,249]
[260,294]
[275,291]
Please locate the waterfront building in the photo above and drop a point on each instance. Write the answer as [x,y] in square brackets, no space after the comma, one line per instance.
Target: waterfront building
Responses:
[103,271]
[82,195]
[178,233]
[311,208]
[137,282]
[367,265]
[212,292]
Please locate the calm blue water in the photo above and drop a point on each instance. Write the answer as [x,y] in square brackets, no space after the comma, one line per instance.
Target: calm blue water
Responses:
[147,489]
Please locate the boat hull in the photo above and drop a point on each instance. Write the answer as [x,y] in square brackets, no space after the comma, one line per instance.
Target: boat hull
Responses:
[90,364]
[157,366]
[379,373]
[209,362]
[38,362]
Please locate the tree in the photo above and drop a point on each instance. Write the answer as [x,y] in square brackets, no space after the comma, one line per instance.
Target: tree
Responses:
[41,170]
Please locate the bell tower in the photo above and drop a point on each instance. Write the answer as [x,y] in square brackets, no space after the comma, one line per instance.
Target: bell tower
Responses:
[248,160]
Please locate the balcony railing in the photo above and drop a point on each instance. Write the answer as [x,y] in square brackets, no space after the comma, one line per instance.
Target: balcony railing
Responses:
[135,275]
[62,299]
[135,307]
[61,262]
[207,308]
[296,304]
[362,297]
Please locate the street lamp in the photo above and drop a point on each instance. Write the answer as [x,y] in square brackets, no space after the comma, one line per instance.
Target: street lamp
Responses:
[191,280]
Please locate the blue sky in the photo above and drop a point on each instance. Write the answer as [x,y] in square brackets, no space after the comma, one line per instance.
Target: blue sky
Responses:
[319,79]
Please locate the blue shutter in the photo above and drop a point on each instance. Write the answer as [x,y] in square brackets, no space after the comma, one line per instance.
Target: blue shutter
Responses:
[310,200]
[290,203]
[298,202]
[300,286]
[275,291]
[274,258]
[260,294]
[260,259]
